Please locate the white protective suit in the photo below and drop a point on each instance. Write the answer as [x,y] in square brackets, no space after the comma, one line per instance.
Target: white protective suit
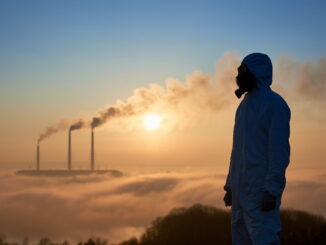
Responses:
[260,155]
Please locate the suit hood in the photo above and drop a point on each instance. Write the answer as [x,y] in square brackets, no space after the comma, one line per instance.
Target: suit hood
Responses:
[261,67]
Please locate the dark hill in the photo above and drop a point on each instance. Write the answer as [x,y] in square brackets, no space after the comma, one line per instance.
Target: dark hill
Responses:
[206,225]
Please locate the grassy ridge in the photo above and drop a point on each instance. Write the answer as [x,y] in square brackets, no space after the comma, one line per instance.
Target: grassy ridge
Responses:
[206,225]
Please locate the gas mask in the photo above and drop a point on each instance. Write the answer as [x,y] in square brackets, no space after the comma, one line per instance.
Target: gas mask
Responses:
[245,80]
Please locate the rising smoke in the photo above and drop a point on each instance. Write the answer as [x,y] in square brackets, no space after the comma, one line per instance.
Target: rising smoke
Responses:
[77,125]
[199,94]
[105,115]
[303,79]
[60,126]
[197,90]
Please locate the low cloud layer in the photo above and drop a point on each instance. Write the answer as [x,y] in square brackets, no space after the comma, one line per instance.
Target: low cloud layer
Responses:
[118,208]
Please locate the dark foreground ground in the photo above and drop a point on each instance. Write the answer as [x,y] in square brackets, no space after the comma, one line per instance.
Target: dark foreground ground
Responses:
[207,225]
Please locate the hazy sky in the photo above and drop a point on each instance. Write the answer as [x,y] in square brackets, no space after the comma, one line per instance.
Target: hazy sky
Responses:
[68,59]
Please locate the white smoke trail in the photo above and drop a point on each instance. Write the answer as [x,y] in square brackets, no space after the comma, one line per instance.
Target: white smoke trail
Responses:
[196,93]
[199,94]
[58,127]
[77,125]
[306,79]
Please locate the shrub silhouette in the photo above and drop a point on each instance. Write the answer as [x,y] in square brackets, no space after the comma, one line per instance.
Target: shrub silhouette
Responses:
[302,228]
[190,226]
[205,225]
[94,241]
[131,241]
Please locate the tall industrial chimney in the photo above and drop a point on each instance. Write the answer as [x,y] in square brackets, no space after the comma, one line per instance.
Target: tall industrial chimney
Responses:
[38,157]
[69,150]
[92,150]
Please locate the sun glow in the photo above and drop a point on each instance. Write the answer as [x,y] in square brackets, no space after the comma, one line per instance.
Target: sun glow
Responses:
[152,122]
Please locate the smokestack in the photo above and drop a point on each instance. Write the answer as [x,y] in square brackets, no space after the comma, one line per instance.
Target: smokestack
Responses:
[92,150]
[69,150]
[75,126]
[38,157]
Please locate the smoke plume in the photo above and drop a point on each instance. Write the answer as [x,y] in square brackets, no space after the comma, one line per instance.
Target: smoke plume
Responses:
[304,79]
[201,93]
[195,95]
[60,126]
[197,91]
[104,115]
[77,125]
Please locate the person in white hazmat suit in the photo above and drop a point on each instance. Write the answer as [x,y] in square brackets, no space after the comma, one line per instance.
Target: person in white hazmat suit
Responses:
[260,156]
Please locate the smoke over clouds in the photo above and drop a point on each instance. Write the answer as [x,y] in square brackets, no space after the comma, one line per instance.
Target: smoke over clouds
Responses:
[118,208]
[201,93]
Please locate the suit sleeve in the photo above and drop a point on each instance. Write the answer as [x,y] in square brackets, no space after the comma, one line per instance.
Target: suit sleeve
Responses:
[227,186]
[278,148]
[228,183]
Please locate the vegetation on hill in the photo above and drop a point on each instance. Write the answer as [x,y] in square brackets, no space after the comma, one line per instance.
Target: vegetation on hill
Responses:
[207,225]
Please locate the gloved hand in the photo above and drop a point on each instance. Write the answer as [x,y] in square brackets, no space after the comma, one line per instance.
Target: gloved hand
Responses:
[268,202]
[227,197]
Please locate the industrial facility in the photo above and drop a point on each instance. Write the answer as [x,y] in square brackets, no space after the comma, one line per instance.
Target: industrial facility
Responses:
[69,171]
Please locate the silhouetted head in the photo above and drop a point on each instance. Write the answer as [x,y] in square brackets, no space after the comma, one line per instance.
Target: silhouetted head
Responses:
[256,70]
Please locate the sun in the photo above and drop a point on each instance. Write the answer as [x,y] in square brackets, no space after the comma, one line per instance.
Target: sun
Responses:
[152,122]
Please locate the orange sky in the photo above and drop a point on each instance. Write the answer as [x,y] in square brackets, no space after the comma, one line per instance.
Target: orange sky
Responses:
[191,134]
[206,144]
